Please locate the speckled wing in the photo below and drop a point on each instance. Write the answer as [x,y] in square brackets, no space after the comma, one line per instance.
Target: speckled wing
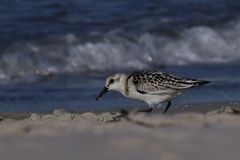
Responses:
[156,82]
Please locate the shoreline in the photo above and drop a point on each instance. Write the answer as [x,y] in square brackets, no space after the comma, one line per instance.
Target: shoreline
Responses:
[188,108]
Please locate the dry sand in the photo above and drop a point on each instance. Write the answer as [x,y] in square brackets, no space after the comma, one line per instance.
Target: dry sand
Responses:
[214,135]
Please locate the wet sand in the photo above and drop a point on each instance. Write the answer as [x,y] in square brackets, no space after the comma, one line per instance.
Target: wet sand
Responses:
[185,133]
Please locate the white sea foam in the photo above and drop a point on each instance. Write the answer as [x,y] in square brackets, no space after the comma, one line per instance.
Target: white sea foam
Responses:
[196,45]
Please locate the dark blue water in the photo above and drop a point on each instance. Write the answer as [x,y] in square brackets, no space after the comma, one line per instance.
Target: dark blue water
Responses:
[56,53]
[29,19]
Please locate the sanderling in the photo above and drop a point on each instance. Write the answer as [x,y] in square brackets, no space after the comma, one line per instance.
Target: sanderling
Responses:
[152,87]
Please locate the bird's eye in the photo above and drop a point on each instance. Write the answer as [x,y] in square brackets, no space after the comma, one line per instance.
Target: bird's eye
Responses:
[111,81]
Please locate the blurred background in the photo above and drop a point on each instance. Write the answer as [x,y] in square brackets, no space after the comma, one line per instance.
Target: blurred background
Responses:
[57,53]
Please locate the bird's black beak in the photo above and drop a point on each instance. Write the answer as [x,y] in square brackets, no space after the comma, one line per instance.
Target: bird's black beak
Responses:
[105,90]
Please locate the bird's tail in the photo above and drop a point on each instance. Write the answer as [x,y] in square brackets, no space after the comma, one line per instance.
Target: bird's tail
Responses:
[195,82]
[199,83]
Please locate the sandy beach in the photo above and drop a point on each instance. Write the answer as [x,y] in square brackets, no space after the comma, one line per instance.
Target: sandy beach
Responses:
[179,135]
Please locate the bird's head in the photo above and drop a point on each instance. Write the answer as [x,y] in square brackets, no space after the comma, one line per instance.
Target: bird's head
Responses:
[114,82]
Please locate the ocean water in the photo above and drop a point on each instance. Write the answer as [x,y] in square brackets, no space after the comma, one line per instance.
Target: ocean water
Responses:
[56,53]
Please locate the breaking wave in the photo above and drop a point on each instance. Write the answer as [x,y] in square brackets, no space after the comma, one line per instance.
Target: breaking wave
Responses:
[70,53]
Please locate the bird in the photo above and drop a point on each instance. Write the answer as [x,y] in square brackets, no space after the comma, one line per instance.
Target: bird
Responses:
[151,87]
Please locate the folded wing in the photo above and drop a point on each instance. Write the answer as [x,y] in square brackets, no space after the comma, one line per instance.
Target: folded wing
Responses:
[156,82]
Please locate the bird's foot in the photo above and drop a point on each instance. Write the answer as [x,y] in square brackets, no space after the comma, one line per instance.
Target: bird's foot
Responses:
[125,112]
[148,110]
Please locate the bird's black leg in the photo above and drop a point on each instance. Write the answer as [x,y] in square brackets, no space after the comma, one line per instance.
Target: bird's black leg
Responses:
[167,107]
[148,110]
